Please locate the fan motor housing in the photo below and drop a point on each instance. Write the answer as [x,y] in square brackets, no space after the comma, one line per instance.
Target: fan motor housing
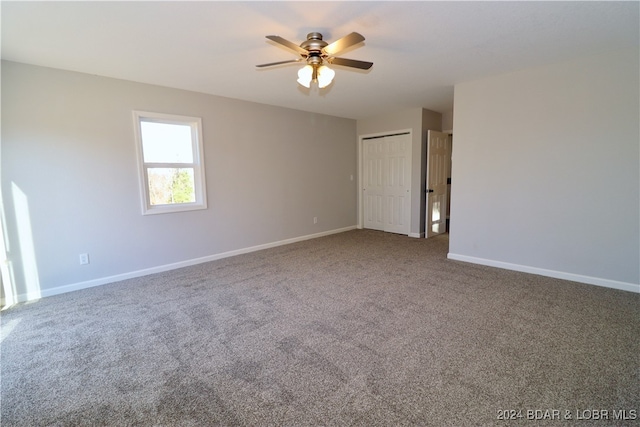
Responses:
[314,42]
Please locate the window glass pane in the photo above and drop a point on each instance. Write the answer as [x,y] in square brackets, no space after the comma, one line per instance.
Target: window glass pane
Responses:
[169,186]
[166,143]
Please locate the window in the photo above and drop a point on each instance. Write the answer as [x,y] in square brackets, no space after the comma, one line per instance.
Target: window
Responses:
[171,162]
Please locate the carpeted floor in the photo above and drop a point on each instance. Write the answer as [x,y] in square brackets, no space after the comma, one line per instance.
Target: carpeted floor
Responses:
[361,328]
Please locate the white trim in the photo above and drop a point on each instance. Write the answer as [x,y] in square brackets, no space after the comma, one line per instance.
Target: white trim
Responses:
[360,219]
[162,268]
[607,283]
[417,235]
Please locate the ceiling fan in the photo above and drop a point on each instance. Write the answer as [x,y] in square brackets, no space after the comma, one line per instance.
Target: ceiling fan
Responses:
[318,53]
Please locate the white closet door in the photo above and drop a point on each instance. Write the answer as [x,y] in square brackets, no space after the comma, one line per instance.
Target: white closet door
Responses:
[387,183]
[374,187]
[398,184]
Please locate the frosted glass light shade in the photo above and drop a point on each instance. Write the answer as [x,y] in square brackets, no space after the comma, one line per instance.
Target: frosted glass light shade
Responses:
[304,75]
[325,76]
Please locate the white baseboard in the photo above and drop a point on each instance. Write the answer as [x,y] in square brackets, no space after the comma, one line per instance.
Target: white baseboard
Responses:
[549,273]
[161,268]
[417,235]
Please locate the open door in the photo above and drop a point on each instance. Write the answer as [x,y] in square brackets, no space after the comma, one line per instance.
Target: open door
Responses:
[438,156]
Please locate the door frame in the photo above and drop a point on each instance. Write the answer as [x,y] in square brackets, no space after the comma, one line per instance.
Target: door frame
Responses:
[360,221]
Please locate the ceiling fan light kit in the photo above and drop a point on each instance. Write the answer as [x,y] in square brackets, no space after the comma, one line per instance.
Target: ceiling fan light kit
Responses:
[323,75]
[317,53]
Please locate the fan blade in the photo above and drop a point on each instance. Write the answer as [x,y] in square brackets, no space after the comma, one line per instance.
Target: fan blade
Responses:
[278,63]
[354,63]
[286,43]
[343,43]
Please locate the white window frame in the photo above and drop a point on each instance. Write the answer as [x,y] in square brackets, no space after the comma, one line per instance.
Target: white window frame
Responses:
[198,163]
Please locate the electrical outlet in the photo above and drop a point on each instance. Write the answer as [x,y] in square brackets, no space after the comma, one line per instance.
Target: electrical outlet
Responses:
[84,259]
[315,219]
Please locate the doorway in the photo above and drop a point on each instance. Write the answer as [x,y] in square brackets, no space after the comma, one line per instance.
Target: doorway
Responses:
[438,183]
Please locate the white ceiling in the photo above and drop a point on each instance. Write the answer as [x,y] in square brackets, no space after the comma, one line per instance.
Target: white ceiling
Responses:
[420,49]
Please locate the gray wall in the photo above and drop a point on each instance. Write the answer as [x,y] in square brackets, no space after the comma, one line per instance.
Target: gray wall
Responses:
[418,120]
[70,183]
[546,171]
[447,121]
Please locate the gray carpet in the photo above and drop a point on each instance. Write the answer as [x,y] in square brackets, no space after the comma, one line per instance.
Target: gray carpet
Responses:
[360,328]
